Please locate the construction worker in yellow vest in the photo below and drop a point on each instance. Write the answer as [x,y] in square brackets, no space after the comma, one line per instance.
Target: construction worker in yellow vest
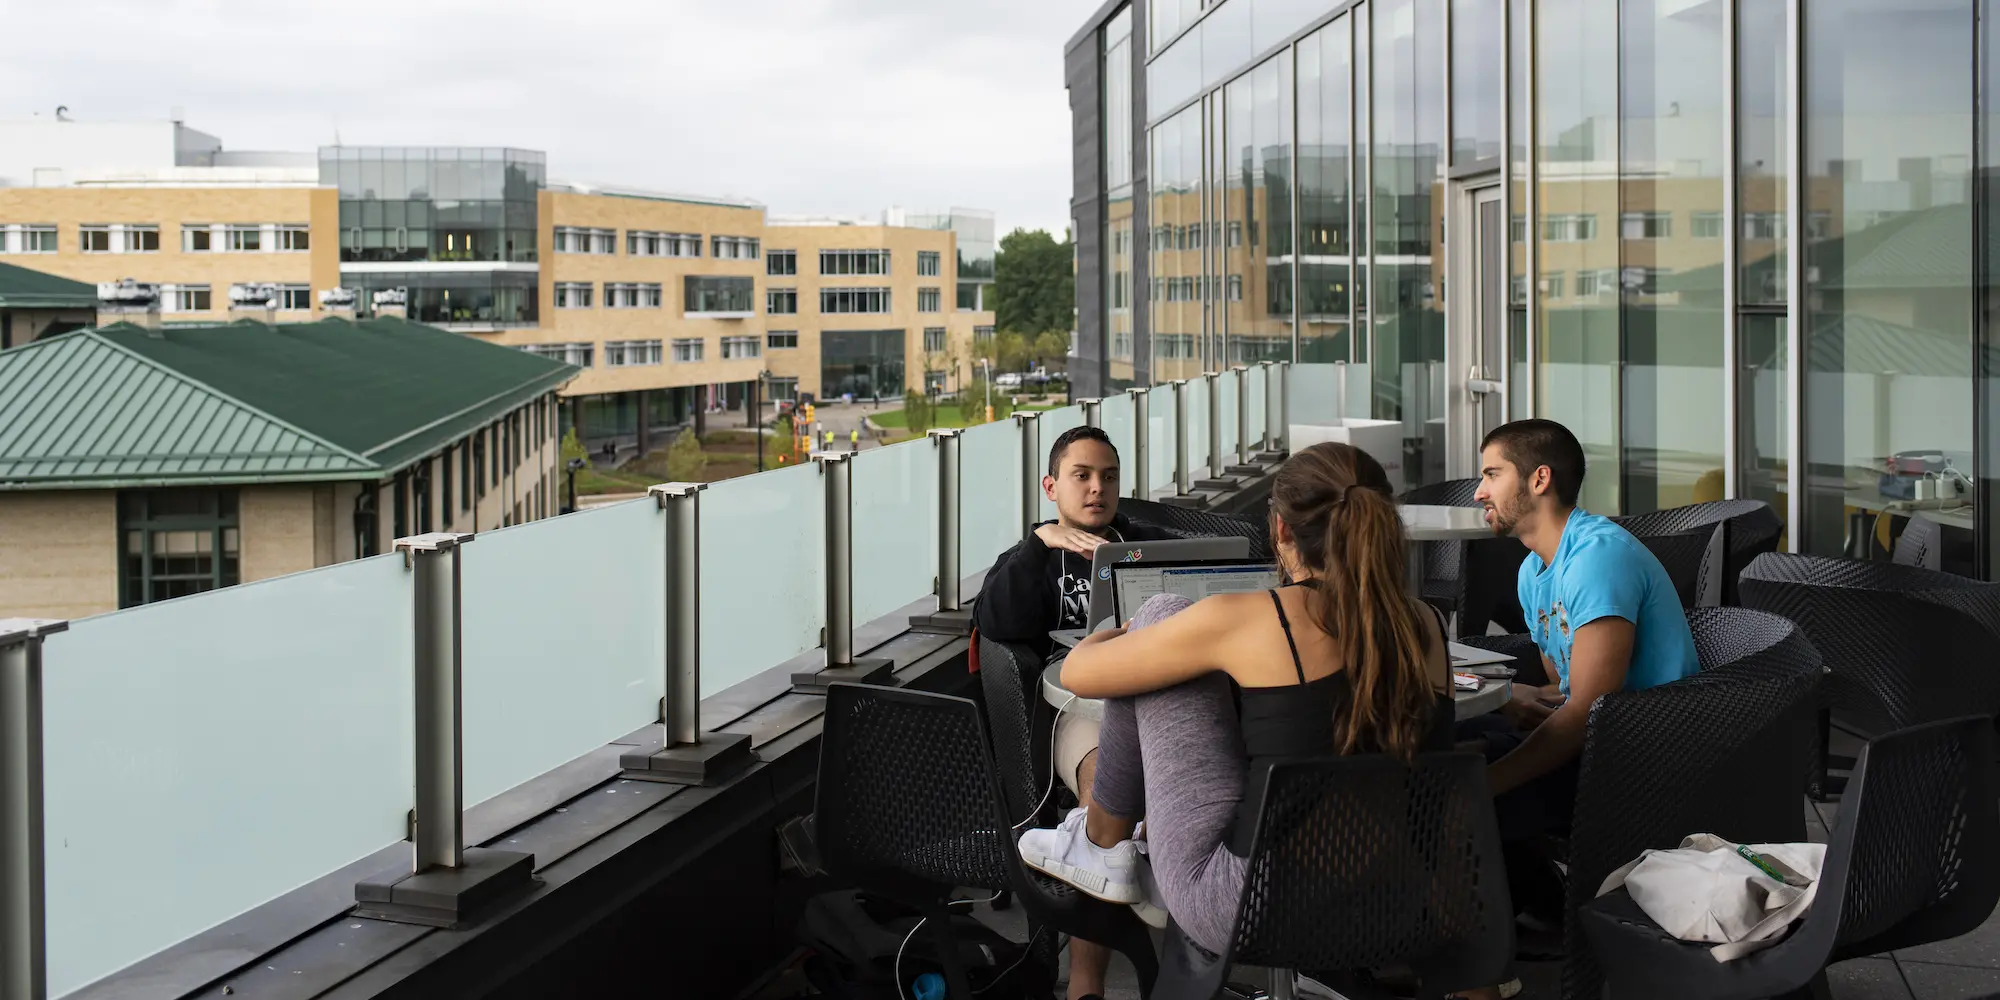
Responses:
[854,440]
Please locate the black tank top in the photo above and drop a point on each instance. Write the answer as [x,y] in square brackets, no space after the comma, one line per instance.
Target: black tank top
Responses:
[1296,720]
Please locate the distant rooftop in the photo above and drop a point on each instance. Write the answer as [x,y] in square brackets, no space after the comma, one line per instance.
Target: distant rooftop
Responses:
[622,191]
[248,402]
[21,288]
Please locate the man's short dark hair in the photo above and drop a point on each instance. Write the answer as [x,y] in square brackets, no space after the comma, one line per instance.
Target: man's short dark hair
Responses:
[1531,444]
[1082,432]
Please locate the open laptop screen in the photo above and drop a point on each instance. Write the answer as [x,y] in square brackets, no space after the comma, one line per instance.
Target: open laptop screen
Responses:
[1136,582]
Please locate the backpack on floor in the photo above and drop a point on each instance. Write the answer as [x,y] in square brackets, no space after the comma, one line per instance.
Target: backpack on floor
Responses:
[854,937]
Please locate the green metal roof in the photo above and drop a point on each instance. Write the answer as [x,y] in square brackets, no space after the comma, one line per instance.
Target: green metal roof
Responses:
[245,402]
[21,288]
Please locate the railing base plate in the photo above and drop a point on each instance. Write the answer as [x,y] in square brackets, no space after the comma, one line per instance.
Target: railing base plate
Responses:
[943,622]
[716,759]
[861,671]
[446,897]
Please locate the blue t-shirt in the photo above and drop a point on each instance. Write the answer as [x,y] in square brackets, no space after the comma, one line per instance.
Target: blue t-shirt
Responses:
[1601,571]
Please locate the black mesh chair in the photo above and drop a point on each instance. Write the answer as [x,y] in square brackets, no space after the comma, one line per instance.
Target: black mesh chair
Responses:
[1474,580]
[1184,522]
[1722,752]
[1921,544]
[1749,528]
[909,806]
[1902,645]
[1363,862]
[1910,862]
[1684,554]
[1019,757]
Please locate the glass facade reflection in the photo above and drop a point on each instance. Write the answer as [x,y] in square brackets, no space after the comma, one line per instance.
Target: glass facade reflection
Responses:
[861,362]
[1303,161]
[435,204]
[472,298]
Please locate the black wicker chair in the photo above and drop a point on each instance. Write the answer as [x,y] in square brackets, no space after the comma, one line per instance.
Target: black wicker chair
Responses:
[1902,645]
[1005,679]
[909,805]
[1910,862]
[1749,528]
[1474,580]
[1363,862]
[1921,544]
[1684,554]
[1185,522]
[1722,752]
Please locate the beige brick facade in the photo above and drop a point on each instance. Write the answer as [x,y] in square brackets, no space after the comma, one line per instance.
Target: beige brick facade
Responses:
[58,554]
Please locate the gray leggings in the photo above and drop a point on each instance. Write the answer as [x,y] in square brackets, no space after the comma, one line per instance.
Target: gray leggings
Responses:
[1186,744]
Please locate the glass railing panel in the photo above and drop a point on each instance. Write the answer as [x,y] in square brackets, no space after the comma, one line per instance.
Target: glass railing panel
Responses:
[763,555]
[1053,424]
[1115,416]
[207,754]
[1197,442]
[990,491]
[1160,440]
[564,631]
[1254,386]
[1313,394]
[1357,397]
[1230,385]
[895,527]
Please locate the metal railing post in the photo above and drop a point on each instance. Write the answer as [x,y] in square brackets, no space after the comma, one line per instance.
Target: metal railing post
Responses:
[1282,408]
[1141,467]
[1182,477]
[837,476]
[1242,374]
[23,903]
[1031,469]
[445,881]
[1093,412]
[1214,424]
[951,617]
[1266,439]
[685,755]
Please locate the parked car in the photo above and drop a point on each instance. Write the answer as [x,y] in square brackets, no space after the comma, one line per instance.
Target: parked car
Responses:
[1010,380]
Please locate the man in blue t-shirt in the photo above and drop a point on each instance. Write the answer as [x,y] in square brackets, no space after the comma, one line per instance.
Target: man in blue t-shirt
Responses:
[1600,607]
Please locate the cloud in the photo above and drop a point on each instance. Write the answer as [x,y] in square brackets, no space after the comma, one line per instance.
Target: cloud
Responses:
[810,106]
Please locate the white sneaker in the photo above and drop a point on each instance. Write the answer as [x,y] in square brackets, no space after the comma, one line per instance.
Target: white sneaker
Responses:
[1108,873]
[1152,909]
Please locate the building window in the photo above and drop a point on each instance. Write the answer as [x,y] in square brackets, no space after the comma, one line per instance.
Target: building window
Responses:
[1174,346]
[119,238]
[197,238]
[646,243]
[295,298]
[715,294]
[28,238]
[933,339]
[735,348]
[934,383]
[777,389]
[1646,226]
[569,354]
[781,263]
[1590,284]
[186,298]
[243,238]
[930,300]
[1642,280]
[735,248]
[1705,225]
[1552,285]
[572,295]
[176,542]
[628,353]
[1235,234]
[1235,288]
[575,239]
[294,238]
[853,300]
[779,340]
[781,301]
[96,239]
[928,262]
[1569,228]
[630,295]
[687,349]
[982,334]
[854,262]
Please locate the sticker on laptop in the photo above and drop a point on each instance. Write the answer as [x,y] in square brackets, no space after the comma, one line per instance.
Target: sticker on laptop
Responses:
[1133,556]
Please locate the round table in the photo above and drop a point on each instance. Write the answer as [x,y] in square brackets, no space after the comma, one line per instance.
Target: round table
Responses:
[1491,695]
[1433,523]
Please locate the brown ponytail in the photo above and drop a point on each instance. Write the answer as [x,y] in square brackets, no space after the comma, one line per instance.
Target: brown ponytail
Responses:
[1337,501]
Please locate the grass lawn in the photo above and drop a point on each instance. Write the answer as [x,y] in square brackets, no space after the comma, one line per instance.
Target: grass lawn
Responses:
[949,416]
[591,481]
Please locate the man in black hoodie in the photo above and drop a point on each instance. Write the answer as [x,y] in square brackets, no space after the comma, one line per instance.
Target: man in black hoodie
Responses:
[1043,584]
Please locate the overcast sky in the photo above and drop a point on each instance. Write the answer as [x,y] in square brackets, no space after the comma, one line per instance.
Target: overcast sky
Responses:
[809,106]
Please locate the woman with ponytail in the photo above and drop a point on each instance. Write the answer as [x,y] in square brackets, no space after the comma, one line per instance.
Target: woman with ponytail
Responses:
[1340,660]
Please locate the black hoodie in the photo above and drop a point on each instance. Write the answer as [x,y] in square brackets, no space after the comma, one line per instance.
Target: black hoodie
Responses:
[1033,590]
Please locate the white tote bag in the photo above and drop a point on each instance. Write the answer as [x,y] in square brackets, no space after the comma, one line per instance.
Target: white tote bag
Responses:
[1706,891]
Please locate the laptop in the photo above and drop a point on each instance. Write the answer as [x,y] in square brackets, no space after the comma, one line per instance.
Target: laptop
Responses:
[1103,612]
[1135,583]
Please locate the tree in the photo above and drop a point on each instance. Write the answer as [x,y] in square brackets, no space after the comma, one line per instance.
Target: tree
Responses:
[916,412]
[573,449]
[1034,283]
[1052,348]
[685,461]
[1011,351]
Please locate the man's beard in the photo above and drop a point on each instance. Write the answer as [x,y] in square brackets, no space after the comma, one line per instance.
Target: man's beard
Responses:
[1507,517]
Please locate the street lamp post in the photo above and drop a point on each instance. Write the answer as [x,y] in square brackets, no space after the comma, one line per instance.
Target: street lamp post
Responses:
[574,465]
[987,364]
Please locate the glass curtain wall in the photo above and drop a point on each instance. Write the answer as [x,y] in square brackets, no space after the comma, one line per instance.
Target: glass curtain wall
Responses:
[442,204]
[1326,246]
[1256,247]
[1520,399]
[1763,166]
[1670,251]
[1407,321]
[1175,245]
[1887,406]
[1577,291]
[1117,245]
